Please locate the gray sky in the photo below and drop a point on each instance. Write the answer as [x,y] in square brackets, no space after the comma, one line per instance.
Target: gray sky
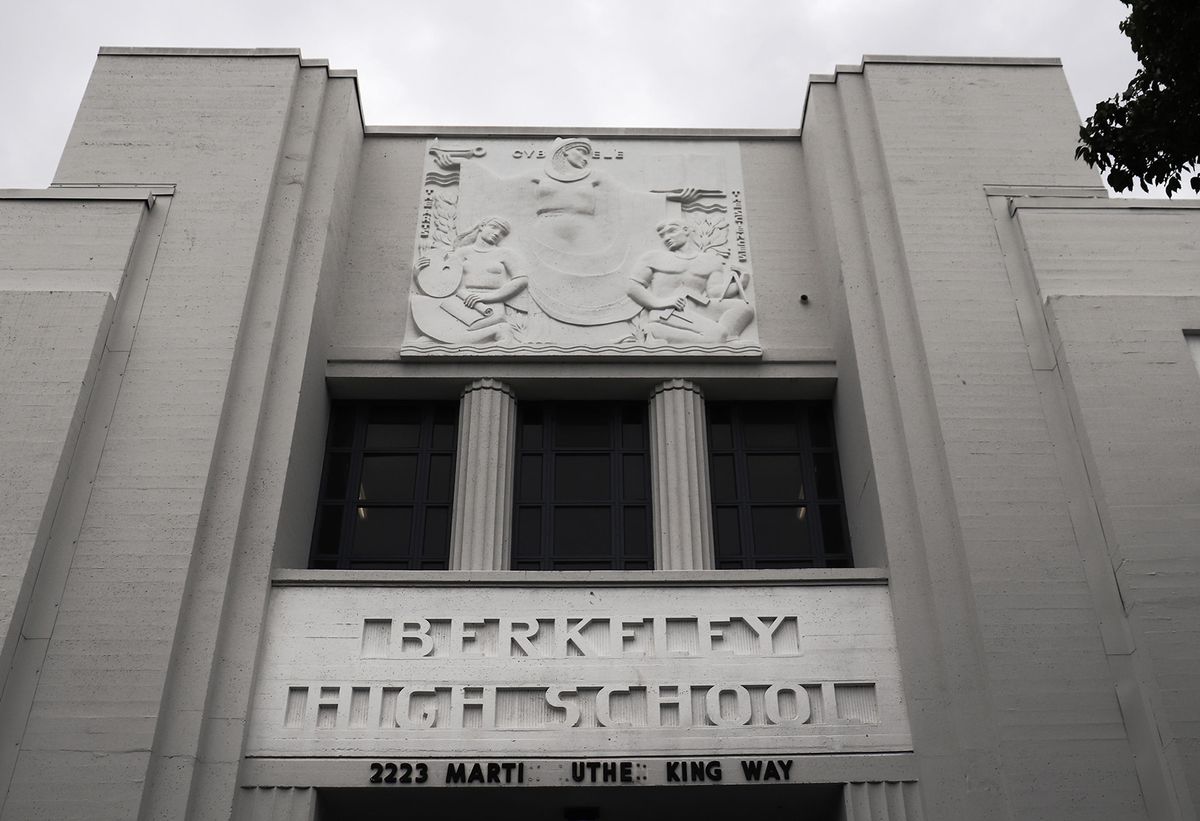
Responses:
[580,63]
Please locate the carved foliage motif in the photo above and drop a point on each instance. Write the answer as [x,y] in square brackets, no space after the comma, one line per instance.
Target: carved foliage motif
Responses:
[570,249]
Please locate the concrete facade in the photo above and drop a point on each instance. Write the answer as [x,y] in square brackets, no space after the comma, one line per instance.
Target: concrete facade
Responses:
[1011,361]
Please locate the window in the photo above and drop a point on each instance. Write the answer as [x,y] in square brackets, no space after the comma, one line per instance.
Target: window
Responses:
[582,489]
[777,498]
[386,487]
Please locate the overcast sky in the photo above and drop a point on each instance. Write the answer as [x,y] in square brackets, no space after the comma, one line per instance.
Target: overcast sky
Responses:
[580,63]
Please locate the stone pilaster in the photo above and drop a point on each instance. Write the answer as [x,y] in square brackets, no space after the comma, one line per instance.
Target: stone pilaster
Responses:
[679,468]
[483,477]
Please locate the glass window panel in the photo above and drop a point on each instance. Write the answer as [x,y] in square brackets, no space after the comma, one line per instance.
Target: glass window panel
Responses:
[324,564]
[820,428]
[582,477]
[582,425]
[633,427]
[780,532]
[825,468]
[370,564]
[441,477]
[582,531]
[388,478]
[337,472]
[341,426]
[637,565]
[587,564]
[774,476]
[529,478]
[329,529]
[633,479]
[398,509]
[720,436]
[728,536]
[527,564]
[723,478]
[527,535]
[770,426]
[393,427]
[637,532]
[833,528]
[382,532]
[531,428]
[445,424]
[437,533]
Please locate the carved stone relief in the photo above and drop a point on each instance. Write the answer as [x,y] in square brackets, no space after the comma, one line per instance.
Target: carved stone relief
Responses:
[565,247]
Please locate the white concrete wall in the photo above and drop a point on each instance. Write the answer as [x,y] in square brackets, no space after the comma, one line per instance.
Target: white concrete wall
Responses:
[1121,286]
[1011,684]
[49,351]
[66,245]
[221,330]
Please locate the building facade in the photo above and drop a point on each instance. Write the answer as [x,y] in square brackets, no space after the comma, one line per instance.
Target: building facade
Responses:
[352,471]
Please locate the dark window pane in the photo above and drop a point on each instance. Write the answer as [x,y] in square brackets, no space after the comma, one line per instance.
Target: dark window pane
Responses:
[382,532]
[582,477]
[393,465]
[329,529]
[770,426]
[572,508]
[729,541]
[833,528]
[636,565]
[723,480]
[633,428]
[820,428]
[633,477]
[337,472]
[529,478]
[774,476]
[437,533]
[780,532]
[393,427]
[582,425]
[527,532]
[372,564]
[445,423]
[531,428]
[825,468]
[388,478]
[582,531]
[341,426]
[441,477]
[637,532]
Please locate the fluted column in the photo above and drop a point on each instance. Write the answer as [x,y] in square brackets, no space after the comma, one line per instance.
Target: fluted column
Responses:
[483,477]
[679,467]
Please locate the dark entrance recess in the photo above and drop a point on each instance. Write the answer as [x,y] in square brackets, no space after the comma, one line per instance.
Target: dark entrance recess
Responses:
[712,802]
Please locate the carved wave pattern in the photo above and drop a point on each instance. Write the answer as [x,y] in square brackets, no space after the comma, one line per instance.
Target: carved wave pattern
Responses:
[554,351]
[703,207]
[442,178]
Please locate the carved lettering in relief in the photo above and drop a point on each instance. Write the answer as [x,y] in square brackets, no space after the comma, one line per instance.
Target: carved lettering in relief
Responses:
[592,252]
[632,706]
[682,636]
[567,699]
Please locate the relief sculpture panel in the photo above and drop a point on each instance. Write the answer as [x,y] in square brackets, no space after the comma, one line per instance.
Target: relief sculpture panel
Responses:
[573,248]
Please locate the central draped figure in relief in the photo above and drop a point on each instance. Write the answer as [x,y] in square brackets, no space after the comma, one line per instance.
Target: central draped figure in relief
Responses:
[579,229]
